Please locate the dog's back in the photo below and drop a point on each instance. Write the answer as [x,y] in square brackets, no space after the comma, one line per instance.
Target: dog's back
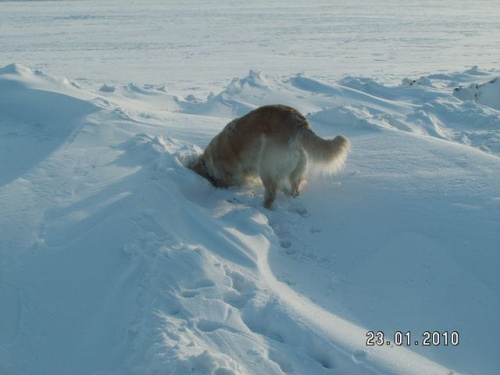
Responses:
[272,143]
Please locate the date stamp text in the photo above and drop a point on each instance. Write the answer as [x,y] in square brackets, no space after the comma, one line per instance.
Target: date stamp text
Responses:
[400,338]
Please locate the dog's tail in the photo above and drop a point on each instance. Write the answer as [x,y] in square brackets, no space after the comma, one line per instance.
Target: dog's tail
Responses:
[327,155]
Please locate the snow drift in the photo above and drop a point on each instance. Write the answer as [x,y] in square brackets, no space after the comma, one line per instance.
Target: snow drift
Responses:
[114,258]
[487,93]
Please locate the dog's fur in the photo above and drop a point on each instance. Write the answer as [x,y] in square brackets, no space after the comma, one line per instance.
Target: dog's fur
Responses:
[274,143]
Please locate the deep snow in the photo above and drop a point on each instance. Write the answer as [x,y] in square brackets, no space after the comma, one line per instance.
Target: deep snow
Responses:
[116,259]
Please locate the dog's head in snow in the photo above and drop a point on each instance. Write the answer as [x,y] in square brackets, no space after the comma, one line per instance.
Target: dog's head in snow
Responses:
[198,166]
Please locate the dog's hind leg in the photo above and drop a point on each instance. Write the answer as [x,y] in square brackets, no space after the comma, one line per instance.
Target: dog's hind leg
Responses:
[267,172]
[297,176]
[271,188]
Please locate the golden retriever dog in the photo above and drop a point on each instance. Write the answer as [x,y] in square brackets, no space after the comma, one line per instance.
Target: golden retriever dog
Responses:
[275,144]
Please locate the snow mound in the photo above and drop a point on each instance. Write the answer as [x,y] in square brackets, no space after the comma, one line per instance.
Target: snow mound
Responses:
[307,84]
[16,69]
[255,78]
[487,93]
[347,117]
[33,96]
[107,88]
[144,90]
[38,114]
[232,101]
[424,81]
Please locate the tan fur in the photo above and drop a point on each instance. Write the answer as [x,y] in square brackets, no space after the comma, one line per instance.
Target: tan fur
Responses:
[274,143]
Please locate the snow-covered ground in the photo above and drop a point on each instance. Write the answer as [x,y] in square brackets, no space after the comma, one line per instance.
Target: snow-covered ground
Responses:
[116,259]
